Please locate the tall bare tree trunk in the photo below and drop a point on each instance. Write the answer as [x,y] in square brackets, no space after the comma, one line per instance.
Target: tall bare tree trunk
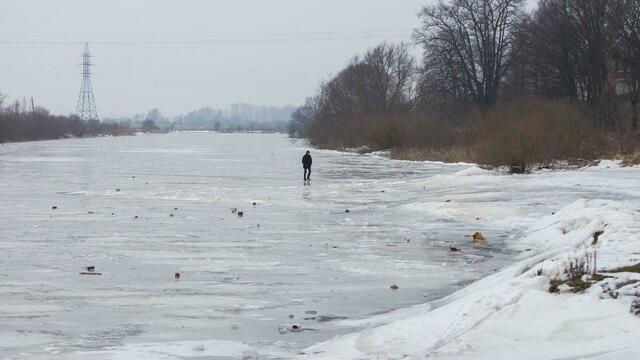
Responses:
[634,112]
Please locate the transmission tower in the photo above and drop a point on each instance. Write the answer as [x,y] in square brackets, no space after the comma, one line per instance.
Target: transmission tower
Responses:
[86,107]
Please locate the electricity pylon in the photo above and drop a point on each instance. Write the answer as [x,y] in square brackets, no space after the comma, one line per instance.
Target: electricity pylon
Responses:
[86,107]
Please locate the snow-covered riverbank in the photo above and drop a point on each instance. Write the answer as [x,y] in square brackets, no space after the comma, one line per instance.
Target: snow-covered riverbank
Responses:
[512,314]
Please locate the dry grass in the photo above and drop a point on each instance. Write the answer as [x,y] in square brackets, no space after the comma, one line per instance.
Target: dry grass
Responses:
[632,269]
[451,155]
[575,285]
[632,159]
[417,130]
[575,275]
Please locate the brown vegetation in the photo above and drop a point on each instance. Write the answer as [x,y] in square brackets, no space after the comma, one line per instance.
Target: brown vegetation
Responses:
[522,135]
[496,86]
[529,133]
[632,159]
[19,124]
[451,155]
[633,269]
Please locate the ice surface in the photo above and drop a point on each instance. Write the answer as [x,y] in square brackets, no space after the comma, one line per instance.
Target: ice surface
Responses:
[297,250]
[295,253]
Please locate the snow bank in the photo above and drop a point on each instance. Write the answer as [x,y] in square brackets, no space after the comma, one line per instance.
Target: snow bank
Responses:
[511,314]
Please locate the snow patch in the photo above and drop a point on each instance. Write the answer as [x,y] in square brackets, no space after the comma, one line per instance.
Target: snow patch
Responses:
[512,314]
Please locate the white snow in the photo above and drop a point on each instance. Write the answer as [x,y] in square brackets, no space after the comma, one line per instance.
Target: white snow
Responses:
[512,314]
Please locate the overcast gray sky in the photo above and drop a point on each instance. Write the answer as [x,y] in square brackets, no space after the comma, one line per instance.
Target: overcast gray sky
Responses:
[183,55]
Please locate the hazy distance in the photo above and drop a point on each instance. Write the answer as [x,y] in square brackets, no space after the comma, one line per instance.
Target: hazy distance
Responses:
[182,56]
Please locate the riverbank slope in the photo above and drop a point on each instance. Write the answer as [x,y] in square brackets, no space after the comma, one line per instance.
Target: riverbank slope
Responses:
[574,291]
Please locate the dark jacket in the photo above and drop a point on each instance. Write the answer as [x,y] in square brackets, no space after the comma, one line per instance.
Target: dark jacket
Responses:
[306,161]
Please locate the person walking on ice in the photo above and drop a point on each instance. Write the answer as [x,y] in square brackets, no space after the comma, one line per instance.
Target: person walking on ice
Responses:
[306,164]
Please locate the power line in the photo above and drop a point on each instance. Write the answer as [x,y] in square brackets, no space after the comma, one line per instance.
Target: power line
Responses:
[213,36]
[203,42]
[174,65]
[197,75]
[180,82]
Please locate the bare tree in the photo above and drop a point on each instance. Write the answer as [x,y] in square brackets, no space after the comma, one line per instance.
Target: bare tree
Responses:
[565,50]
[378,82]
[468,45]
[625,17]
[547,51]
[596,41]
[390,76]
[303,117]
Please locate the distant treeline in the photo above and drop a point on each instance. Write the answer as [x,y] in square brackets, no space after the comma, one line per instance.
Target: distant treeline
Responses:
[495,85]
[274,127]
[235,118]
[18,122]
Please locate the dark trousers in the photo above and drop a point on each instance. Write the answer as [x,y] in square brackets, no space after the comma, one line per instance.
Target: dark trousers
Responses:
[307,173]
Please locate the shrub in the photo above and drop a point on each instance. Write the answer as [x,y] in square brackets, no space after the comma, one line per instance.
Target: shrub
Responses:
[527,133]
[632,159]
[522,134]
[392,130]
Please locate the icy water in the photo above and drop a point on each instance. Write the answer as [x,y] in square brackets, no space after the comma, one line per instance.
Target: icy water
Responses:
[142,208]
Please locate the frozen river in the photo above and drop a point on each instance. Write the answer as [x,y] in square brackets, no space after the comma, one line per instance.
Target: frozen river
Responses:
[142,208]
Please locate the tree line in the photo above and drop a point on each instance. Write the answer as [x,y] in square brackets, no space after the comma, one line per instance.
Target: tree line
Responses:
[236,118]
[494,84]
[20,121]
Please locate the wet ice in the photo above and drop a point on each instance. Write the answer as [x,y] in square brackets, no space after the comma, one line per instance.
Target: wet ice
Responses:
[296,251]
